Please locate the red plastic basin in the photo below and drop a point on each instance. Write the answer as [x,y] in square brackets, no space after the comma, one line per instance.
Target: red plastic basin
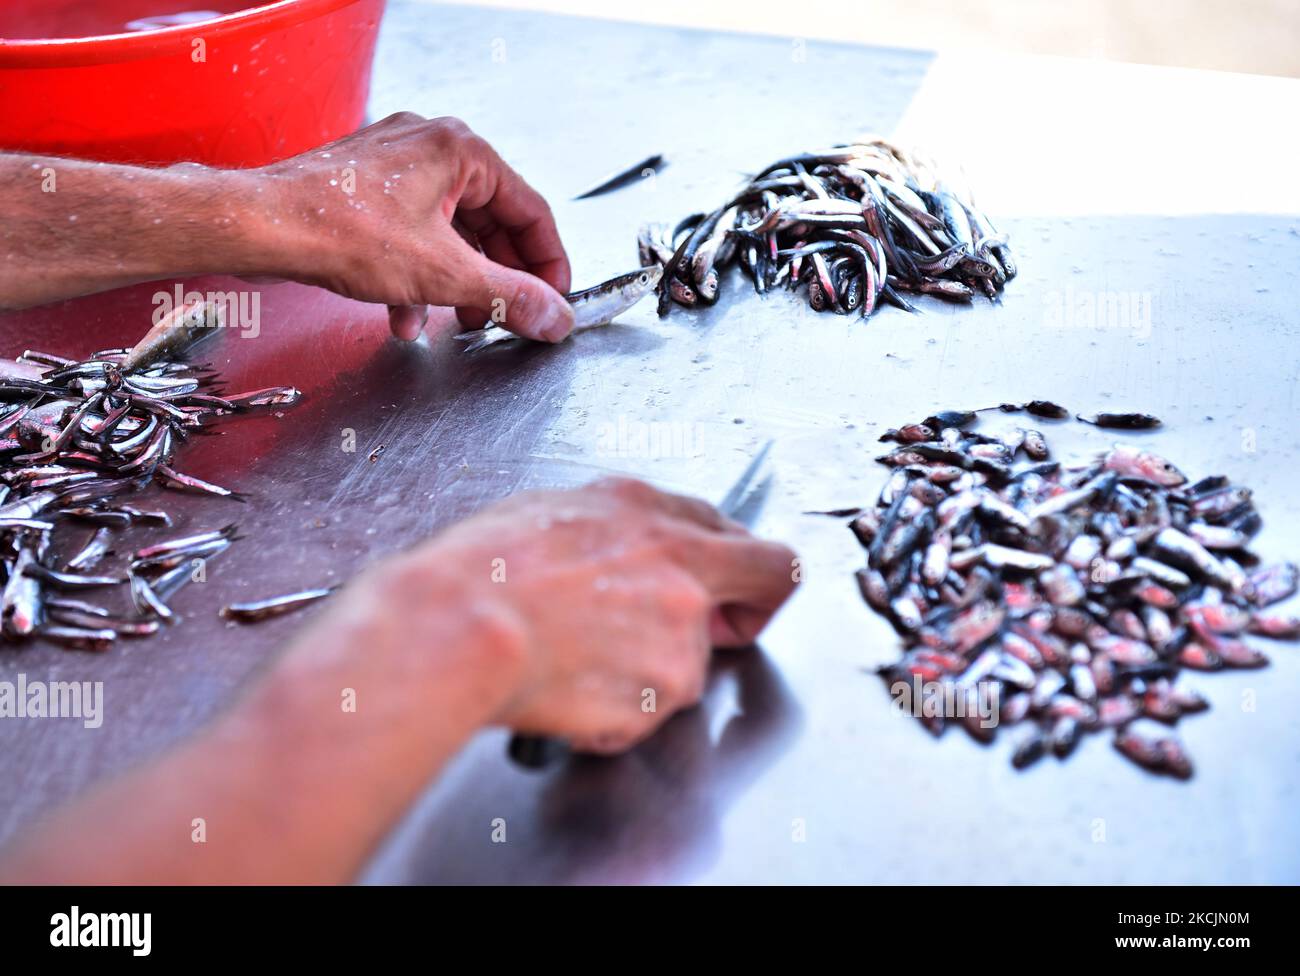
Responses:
[243,87]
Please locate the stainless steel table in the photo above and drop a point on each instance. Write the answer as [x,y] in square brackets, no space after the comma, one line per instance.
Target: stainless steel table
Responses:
[796,769]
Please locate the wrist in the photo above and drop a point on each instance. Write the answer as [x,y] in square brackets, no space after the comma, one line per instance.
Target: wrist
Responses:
[257,231]
[229,221]
[191,219]
[380,689]
[358,715]
[450,625]
[297,229]
[437,650]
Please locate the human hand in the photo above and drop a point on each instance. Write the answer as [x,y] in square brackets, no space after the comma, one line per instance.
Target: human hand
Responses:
[414,212]
[615,593]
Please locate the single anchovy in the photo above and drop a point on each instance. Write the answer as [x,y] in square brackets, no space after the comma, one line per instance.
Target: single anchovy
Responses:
[45,359]
[274,606]
[591,307]
[176,333]
[167,585]
[148,602]
[92,552]
[138,514]
[173,479]
[21,604]
[1131,462]
[1273,584]
[275,396]
[652,249]
[58,601]
[1175,545]
[1122,421]
[81,638]
[98,516]
[624,177]
[105,621]
[201,550]
[37,525]
[161,386]
[1029,748]
[1046,409]
[30,506]
[71,581]
[184,544]
[14,416]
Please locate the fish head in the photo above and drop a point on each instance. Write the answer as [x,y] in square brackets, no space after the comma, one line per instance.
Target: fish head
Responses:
[636,284]
[1157,469]
[977,266]
[682,293]
[1133,462]
[709,286]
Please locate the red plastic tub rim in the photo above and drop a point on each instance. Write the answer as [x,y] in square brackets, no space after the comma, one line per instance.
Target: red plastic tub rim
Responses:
[131,46]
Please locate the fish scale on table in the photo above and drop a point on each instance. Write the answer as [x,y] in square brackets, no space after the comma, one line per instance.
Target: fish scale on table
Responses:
[1082,590]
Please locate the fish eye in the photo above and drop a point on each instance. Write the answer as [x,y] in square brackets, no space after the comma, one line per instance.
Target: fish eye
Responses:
[645,277]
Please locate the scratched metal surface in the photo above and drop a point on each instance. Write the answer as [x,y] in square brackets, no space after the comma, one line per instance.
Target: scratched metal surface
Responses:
[796,768]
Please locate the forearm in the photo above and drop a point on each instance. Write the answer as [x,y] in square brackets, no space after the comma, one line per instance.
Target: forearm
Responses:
[72,227]
[303,778]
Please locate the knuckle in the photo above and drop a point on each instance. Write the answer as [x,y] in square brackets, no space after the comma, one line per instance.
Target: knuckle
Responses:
[404,118]
[449,129]
[628,490]
[475,144]
[680,682]
[683,597]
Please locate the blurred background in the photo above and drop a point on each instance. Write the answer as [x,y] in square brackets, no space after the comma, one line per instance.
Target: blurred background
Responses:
[1256,36]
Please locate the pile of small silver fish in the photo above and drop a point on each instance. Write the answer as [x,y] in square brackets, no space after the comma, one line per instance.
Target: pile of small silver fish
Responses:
[856,224]
[1083,591]
[77,438]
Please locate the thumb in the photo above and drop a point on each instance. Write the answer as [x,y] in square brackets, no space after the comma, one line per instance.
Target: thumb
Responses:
[515,300]
[407,321]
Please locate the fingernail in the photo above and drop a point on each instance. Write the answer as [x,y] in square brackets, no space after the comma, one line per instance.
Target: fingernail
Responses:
[558,321]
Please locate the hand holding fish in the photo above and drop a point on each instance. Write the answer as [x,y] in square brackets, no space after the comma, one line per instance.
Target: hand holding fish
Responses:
[432,216]
[408,212]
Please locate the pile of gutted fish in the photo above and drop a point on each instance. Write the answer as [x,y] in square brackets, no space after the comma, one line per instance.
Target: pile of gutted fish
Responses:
[1077,593]
[856,224]
[77,439]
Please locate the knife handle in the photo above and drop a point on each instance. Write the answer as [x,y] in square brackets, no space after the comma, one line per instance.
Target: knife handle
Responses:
[535,751]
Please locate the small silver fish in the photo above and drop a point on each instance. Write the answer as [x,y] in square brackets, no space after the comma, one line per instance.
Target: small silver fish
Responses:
[623,177]
[591,307]
[176,333]
[273,607]
[81,638]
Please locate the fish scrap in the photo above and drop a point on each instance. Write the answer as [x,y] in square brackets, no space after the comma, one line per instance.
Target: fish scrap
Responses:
[855,226]
[77,440]
[1077,593]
